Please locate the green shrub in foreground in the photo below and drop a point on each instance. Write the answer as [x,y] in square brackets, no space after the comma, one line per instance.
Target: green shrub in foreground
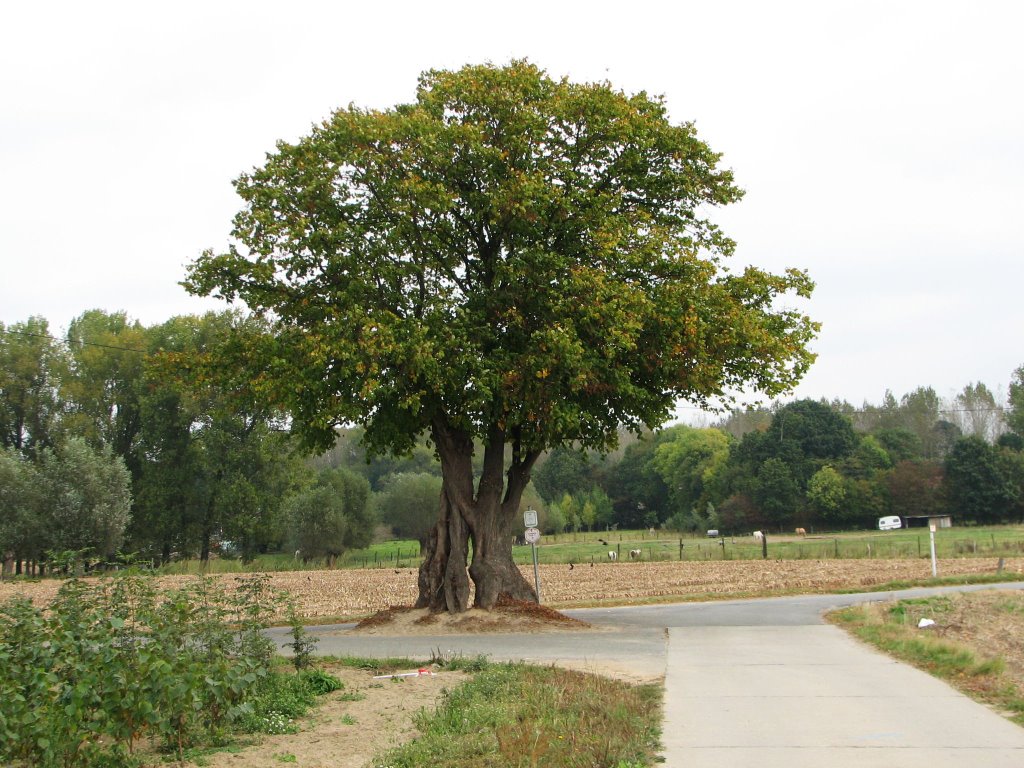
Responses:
[110,663]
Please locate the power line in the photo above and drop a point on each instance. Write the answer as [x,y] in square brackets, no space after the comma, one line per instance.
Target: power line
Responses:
[68,343]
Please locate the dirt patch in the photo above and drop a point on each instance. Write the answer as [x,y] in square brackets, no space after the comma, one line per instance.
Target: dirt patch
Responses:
[508,616]
[991,623]
[352,725]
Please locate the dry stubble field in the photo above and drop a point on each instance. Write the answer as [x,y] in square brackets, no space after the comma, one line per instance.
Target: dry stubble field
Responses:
[351,594]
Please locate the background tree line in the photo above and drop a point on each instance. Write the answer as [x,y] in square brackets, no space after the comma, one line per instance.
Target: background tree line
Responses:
[112,442]
[816,465]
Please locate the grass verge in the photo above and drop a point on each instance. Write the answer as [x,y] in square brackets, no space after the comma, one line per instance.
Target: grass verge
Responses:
[940,581]
[893,628]
[520,715]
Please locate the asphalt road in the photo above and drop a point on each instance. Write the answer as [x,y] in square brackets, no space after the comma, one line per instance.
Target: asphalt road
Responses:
[634,640]
[753,682]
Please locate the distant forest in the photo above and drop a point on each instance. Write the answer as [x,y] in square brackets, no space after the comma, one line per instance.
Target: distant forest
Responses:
[113,446]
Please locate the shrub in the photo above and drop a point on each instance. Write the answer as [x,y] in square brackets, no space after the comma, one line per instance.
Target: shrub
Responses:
[111,662]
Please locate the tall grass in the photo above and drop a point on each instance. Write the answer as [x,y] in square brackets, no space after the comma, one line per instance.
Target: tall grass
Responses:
[518,715]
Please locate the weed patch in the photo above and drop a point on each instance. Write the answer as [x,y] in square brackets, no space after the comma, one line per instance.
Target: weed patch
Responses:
[512,714]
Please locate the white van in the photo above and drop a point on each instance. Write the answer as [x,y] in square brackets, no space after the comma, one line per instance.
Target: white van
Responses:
[890,523]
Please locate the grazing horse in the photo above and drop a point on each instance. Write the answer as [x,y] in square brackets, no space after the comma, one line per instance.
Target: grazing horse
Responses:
[613,555]
[634,554]
[801,531]
[758,536]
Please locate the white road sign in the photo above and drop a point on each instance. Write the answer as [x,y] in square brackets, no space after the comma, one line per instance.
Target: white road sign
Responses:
[532,535]
[530,518]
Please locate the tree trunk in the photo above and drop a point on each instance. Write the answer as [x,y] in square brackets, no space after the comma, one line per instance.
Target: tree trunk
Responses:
[443,581]
[204,548]
[483,519]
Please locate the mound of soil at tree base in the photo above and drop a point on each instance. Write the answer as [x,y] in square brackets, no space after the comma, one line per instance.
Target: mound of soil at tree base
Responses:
[507,616]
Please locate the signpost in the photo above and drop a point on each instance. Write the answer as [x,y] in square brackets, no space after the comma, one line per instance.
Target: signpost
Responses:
[532,535]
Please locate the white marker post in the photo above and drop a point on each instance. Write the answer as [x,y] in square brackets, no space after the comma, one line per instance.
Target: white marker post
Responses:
[532,535]
[931,530]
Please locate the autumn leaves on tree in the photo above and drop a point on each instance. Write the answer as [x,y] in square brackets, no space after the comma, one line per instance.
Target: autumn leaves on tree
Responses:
[510,263]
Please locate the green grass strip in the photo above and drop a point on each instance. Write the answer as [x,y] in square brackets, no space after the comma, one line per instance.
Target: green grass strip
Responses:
[520,715]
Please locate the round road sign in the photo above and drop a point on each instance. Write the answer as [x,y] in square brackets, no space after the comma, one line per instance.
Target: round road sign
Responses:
[532,535]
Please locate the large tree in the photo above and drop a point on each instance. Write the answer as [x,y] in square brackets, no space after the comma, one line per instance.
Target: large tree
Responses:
[690,463]
[512,261]
[87,497]
[215,463]
[978,487]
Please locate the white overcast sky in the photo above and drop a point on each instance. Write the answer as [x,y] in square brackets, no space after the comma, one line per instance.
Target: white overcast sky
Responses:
[881,145]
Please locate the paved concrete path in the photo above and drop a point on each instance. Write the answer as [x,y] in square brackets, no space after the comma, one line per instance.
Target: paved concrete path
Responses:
[803,696]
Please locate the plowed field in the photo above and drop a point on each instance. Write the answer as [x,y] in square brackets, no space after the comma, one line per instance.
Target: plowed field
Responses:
[357,593]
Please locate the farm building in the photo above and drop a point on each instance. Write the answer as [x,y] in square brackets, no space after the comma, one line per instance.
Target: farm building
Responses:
[924,521]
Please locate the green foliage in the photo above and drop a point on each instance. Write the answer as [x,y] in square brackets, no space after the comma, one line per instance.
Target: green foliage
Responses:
[332,516]
[805,433]
[825,492]
[554,521]
[900,444]
[408,503]
[588,510]
[319,682]
[564,470]
[22,527]
[87,497]
[278,700]
[31,363]
[510,250]
[111,663]
[696,520]
[691,463]
[776,492]
[976,485]
[303,644]
[1015,397]
[636,488]
[216,462]
[102,384]
[915,488]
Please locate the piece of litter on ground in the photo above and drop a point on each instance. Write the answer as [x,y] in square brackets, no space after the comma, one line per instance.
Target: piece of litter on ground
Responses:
[925,623]
[421,672]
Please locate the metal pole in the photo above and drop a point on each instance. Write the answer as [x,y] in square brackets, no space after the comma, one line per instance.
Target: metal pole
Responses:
[536,573]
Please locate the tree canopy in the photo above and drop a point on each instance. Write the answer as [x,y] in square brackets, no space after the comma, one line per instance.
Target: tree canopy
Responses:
[513,259]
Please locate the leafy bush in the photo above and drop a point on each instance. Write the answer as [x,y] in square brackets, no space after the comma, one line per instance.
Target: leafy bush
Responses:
[112,662]
[280,699]
[320,682]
